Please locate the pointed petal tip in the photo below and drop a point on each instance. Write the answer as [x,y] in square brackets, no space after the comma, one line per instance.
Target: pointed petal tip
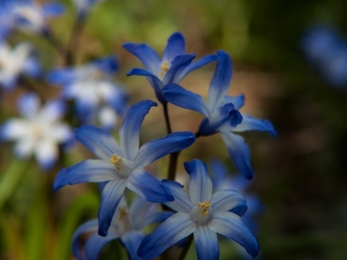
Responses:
[59,180]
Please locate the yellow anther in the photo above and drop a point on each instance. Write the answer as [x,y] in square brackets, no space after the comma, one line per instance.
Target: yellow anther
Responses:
[123,213]
[164,68]
[115,160]
[204,205]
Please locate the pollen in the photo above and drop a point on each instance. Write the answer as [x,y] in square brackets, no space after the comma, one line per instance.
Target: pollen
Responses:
[204,205]
[164,68]
[114,159]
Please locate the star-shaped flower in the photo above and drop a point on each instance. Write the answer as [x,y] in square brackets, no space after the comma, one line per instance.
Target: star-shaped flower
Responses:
[221,113]
[123,166]
[203,214]
[172,68]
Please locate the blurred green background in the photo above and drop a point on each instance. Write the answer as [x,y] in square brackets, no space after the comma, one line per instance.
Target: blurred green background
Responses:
[301,175]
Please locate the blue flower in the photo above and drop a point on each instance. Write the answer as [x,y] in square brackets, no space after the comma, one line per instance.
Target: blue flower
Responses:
[172,68]
[127,225]
[39,132]
[123,165]
[203,214]
[92,88]
[16,61]
[221,113]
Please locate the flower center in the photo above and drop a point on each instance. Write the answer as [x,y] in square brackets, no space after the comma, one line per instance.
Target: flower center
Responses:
[123,221]
[164,68]
[121,166]
[201,212]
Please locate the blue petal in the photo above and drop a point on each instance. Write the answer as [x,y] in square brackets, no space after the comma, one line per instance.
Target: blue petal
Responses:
[52,9]
[111,195]
[171,231]
[129,132]
[86,171]
[230,225]
[61,76]
[177,65]
[250,123]
[182,200]
[95,243]
[29,105]
[175,46]
[149,187]
[239,153]
[200,184]
[206,243]
[98,141]
[154,217]
[87,227]
[132,241]
[220,81]
[193,66]
[153,150]
[228,200]
[178,96]
[237,101]
[231,115]
[32,67]
[146,54]
[108,64]
[53,110]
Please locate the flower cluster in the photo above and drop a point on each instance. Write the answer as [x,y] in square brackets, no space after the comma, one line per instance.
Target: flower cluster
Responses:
[164,214]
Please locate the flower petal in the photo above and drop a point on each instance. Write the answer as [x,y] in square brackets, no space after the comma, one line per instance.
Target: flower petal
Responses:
[52,9]
[52,111]
[177,65]
[239,153]
[149,187]
[86,171]
[146,55]
[206,243]
[193,66]
[237,101]
[61,76]
[171,231]
[182,200]
[95,243]
[46,154]
[220,81]
[132,241]
[153,150]
[111,195]
[87,227]
[13,129]
[230,225]
[98,141]
[154,217]
[178,96]
[175,46]
[250,123]
[200,184]
[129,132]
[29,105]
[228,200]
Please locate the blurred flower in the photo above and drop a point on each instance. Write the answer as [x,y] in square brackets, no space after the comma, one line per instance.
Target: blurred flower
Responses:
[326,50]
[127,225]
[39,132]
[123,166]
[172,68]
[6,23]
[84,6]
[92,89]
[203,214]
[221,112]
[13,62]
[31,17]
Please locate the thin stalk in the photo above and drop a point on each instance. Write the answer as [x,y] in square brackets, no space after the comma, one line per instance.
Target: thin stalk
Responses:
[167,119]
[73,41]
[67,60]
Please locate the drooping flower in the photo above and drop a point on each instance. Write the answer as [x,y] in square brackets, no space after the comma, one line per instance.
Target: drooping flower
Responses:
[172,68]
[123,165]
[127,225]
[203,214]
[92,88]
[221,113]
[16,61]
[39,132]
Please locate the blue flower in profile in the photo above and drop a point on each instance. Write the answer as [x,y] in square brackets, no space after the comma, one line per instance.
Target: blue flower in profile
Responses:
[127,224]
[39,132]
[15,62]
[221,113]
[202,213]
[96,95]
[172,68]
[123,165]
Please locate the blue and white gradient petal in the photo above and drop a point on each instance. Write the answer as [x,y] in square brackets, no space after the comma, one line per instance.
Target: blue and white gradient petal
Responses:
[123,166]
[202,214]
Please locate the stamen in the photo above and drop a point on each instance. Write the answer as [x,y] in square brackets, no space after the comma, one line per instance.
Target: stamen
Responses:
[123,213]
[164,68]
[205,205]
[115,160]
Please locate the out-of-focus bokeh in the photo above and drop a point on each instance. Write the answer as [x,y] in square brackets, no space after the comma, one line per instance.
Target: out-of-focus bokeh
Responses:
[286,77]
